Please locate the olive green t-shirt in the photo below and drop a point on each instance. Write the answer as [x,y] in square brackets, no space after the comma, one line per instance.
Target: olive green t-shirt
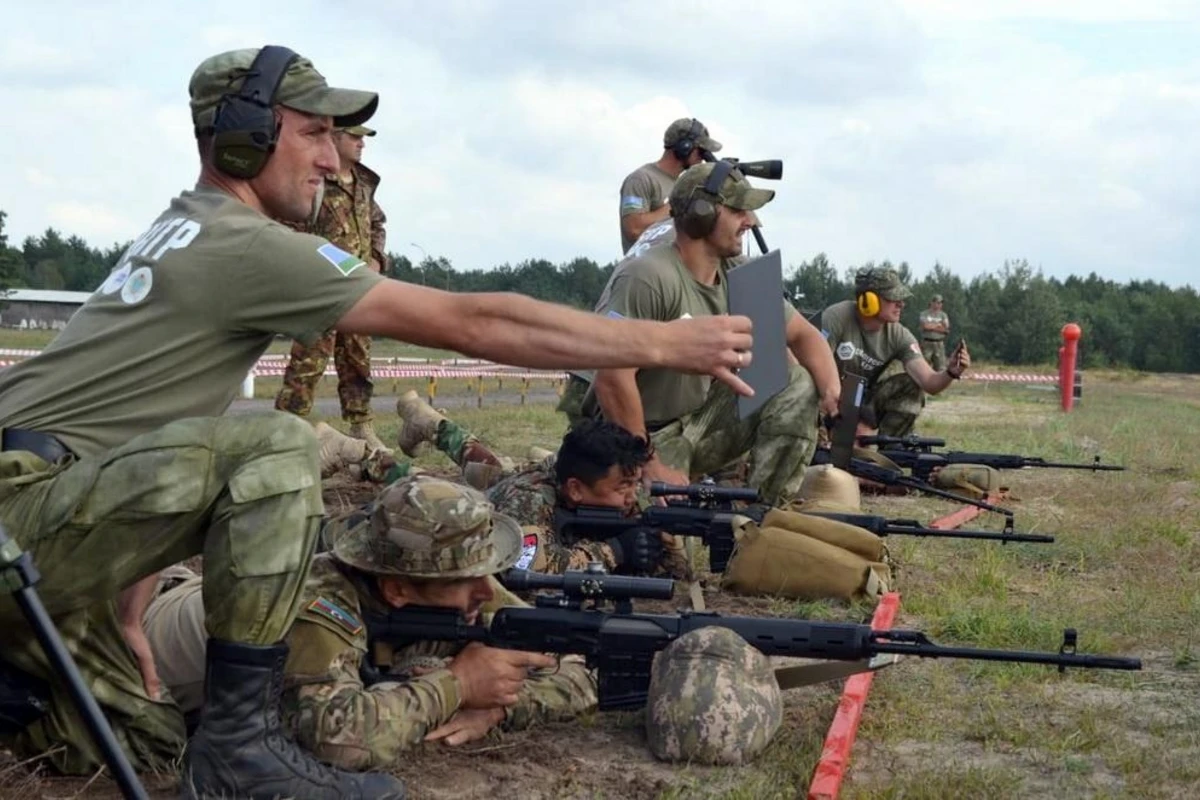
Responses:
[181,319]
[934,318]
[861,352]
[647,188]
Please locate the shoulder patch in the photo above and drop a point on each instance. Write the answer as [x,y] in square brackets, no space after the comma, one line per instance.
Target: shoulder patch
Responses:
[529,548]
[332,611]
[341,260]
[632,202]
[614,315]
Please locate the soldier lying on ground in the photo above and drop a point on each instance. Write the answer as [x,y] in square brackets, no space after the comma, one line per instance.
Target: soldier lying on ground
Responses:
[426,541]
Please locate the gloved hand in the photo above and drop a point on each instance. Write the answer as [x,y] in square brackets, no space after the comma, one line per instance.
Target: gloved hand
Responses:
[637,550]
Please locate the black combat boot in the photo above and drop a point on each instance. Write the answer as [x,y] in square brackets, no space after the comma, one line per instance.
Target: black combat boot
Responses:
[240,750]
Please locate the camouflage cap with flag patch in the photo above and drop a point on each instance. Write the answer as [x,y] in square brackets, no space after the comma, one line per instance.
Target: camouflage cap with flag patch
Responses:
[427,527]
[302,88]
[735,192]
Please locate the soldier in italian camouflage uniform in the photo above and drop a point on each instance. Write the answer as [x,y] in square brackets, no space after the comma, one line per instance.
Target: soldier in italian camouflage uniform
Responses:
[351,219]
[598,463]
[425,541]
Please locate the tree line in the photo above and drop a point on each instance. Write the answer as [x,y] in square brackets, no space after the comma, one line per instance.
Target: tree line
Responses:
[1013,315]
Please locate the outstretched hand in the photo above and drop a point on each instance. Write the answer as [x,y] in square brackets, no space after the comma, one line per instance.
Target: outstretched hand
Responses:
[713,346]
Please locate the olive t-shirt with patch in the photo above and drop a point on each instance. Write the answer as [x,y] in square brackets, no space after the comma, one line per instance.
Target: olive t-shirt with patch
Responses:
[645,189]
[185,314]
[865,353]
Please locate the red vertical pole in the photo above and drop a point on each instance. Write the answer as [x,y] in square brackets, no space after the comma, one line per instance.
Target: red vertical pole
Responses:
[1066,364]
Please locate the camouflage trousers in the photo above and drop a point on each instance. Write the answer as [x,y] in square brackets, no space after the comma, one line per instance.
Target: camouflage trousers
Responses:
[352,360]
[935,353]
[571,402]
[780,437]
[893,403]
[244,491]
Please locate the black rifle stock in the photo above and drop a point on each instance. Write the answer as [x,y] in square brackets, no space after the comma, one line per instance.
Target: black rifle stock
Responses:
[620,645]
[771,170]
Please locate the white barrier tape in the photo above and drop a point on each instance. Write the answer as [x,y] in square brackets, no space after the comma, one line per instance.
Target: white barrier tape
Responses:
[1006,377]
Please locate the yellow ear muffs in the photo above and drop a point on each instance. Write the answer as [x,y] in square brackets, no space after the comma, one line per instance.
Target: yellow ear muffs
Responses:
[868,304]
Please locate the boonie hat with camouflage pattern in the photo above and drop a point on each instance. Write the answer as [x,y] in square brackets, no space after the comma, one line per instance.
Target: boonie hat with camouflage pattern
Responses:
[302,88]
[883,281]
[736,191]
[713,699]
[427,527]
[682,128]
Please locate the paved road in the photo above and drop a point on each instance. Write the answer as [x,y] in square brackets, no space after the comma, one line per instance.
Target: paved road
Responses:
[386,404]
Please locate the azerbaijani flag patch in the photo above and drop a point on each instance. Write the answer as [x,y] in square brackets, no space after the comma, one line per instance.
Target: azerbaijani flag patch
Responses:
[331,610]
[341,260]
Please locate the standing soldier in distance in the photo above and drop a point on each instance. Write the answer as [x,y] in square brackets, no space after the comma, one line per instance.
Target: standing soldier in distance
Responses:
[935,325]
[350,218]
[646,192]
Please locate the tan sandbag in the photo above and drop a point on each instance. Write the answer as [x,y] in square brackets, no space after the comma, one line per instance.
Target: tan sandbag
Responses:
[839,534]
[974,480]
[779,562]
[827,484]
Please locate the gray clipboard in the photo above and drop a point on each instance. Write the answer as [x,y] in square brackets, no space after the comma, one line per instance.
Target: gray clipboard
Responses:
[756,291]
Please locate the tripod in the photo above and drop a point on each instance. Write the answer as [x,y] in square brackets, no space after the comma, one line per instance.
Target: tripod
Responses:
[18,575]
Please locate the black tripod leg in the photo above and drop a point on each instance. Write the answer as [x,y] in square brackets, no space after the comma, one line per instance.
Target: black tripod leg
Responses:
[20,575]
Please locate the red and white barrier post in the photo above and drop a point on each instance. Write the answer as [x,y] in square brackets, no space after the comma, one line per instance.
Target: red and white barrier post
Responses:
[1066,364]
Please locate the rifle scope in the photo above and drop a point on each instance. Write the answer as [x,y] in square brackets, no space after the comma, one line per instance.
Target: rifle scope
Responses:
[591,583]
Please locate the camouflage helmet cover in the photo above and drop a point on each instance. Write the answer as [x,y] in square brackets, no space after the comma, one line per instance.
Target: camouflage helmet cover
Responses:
[427,527]
[713,699]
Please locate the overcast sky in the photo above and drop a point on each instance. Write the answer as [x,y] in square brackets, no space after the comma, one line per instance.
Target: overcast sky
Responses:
[963,131]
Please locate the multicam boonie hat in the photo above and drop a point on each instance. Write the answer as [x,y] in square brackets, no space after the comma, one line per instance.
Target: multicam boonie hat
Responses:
[883,281]
[736,191]
[302,88]
[427,527]
[713,699]
[683,128]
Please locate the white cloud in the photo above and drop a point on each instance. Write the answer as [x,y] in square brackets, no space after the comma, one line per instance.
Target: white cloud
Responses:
[912,130]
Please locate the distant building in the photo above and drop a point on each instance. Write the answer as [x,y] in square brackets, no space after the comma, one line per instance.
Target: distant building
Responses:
[39,308]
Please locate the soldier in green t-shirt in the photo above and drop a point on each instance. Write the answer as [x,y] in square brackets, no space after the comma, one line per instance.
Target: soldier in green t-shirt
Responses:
[645,191]
[935,324]
[693,423]
[116,461]
[867,340]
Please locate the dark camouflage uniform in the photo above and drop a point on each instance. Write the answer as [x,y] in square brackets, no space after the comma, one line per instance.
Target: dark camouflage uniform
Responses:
[530,497]
[351,219]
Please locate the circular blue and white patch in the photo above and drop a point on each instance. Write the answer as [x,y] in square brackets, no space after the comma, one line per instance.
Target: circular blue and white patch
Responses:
[115,280]
[138,286]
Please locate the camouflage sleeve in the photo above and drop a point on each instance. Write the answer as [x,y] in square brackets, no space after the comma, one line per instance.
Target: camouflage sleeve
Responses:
[354,727]
[555,557]
[379,236]
[554,695]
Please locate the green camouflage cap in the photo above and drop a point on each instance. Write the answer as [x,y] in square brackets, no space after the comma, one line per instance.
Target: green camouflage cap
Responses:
[682,128]
[357,130]
[736,191]
[937,298]
[713,699]
[427,527]
[302,88]
[883,281]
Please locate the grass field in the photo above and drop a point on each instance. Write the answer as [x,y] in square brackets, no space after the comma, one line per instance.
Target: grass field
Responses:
[1123,571]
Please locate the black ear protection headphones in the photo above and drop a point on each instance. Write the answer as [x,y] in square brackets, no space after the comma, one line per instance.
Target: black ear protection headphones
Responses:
[244,127]
[684,147]
[700,215]
[866,300]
